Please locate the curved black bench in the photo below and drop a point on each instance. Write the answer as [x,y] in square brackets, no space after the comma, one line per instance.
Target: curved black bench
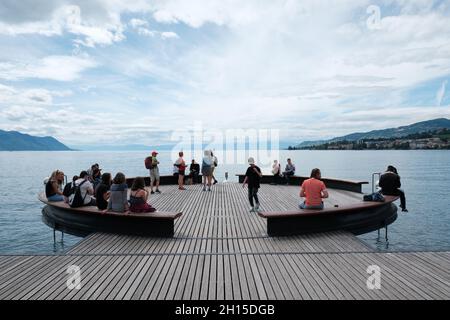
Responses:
[331,183]
[84,220]
[357,218]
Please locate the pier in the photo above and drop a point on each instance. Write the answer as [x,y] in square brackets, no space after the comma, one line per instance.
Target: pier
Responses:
[222,251]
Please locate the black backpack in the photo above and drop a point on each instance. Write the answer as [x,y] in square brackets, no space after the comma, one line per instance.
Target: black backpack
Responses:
[67,192]
[77,200]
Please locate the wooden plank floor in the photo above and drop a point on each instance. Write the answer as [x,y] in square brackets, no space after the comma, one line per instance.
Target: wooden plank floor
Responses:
[221,251]
[422,275]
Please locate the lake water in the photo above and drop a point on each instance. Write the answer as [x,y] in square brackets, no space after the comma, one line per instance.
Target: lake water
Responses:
[425,178]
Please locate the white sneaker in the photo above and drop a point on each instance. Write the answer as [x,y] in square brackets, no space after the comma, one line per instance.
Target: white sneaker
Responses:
[257,209]
[252,209]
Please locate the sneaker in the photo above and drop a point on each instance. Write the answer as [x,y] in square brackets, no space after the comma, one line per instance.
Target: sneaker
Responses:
[257,209]
[216,182]
[209,189]
[152,192]
[157,191]
[252,209]
[204,188]
[404,210]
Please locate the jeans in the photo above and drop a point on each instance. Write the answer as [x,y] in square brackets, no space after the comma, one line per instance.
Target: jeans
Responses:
[304,206]
[253,194]
[55,198]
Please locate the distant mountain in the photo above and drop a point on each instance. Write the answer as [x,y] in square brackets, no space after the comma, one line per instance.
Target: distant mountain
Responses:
[125,147]
[419,127]
[16,141]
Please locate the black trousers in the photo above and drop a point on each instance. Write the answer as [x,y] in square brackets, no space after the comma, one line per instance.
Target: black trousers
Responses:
[287,175]
[398,193]
[253,194]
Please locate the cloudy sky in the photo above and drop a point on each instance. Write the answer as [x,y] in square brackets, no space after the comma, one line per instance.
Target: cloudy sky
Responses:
[132,71]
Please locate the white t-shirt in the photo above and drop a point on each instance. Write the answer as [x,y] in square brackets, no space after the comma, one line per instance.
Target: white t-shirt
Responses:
[85,188]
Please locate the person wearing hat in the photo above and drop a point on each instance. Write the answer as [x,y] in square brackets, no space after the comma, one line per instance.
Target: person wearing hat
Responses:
[154,172]
[253,178]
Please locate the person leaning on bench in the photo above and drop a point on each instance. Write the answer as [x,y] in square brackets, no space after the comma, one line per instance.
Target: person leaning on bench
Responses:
[313,190]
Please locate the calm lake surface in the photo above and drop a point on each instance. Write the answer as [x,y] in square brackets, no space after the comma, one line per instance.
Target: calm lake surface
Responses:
[425,178]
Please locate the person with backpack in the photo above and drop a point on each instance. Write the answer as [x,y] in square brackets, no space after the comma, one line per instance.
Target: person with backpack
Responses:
[53,187]
[390,186]
[252,178]
[151,163]
[83,192]
[207,164]
[68,189]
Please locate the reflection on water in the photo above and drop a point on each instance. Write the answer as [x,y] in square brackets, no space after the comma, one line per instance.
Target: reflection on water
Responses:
[425,177]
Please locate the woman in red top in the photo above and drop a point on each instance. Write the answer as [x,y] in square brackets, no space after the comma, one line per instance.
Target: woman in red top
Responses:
[181,165]
[314,191]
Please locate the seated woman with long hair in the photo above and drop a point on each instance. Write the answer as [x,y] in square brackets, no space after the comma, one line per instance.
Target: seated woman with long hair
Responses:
[53,187]
[118,201]
[139,197]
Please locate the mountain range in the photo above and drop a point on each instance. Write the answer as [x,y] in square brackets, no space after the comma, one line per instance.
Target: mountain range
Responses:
[16,141]
[419,127]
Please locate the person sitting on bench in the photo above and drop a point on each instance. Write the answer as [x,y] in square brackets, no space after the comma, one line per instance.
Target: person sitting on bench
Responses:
[314,191]
[194,172]
[289,171]
[390,186]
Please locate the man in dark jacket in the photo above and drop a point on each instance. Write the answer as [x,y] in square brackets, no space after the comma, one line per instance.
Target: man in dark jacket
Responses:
[390,185]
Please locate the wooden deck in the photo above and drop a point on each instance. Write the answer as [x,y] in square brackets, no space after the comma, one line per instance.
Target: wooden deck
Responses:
[221,251]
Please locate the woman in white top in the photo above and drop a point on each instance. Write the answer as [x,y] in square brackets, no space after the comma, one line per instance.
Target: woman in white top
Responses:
[276,171]
[207,165]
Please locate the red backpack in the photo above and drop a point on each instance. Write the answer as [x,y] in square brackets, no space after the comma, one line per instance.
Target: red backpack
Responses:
[148,163]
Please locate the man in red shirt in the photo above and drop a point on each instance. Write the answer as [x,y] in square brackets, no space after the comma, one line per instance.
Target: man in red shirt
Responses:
[314,191]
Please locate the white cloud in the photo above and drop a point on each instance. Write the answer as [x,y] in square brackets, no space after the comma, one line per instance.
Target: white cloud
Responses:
[59,68]
[169,35]
[96,21]
[146,32]
[282,64]
[39,95]
[135,23]
[30,97]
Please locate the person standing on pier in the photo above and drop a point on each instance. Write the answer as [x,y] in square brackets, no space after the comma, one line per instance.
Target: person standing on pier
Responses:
[390,186]
[213,168]
[152,163]
[181,165]
[207,163]
[253,178]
